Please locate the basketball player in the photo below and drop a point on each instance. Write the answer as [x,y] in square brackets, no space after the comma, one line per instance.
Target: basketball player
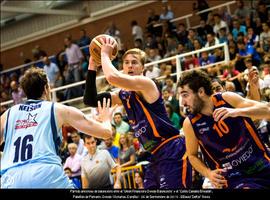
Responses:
[258,111]
[169,167]
[235,155]
[32,135]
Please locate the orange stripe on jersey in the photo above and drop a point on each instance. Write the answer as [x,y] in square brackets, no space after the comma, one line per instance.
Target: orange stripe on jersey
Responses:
[196,118]
[256,139]
[216,102]
[164,142]
[217,165]
[150,120]
[184,171]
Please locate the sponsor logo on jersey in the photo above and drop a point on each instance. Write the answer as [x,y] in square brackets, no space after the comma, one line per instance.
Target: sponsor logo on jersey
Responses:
[26,123]
[202,130]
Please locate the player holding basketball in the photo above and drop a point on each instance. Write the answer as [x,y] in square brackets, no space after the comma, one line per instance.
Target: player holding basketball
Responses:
[169,167]
[32,135]
[235,155]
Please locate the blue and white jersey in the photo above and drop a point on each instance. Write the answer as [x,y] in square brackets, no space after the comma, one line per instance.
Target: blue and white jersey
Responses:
[31,135]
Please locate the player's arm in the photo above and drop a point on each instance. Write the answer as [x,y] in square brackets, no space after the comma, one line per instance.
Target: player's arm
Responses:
[3,124]
[141,84]
[258,111]
[91,97]
[75,118]
[239,103]
[192,145]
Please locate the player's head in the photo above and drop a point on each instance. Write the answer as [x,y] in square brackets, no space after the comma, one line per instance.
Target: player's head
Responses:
[218,85]
[35,84]
[194,87]
[133,61]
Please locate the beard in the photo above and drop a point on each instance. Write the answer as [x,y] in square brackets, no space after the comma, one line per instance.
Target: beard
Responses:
[198,105]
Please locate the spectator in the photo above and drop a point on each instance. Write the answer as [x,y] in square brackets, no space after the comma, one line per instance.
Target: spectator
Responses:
[211,40]
[263,12]
[116,136]
[225,16]
[174,117]
[113,150]
[191,62]
[204,29]
[126,154]
[76,138]
[166,14]
[264,37]
[84,39]
[223,36]
[152,72]
[76,182]
[38,53]
[74,161]
[17,93]
[138,177]
[237,27]
[200,6]
[241,11]
[151,22]
[75,59]
[153,56]
[121,126]
[137,31]
[51,70]
[219,23]
[252,38]
[97,166]
[205,59]
[181,33]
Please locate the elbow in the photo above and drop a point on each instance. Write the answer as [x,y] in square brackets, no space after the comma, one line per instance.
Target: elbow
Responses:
[107,134]
[112,78]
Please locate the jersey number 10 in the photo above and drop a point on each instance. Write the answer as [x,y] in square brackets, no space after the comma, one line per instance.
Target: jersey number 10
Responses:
[221,128]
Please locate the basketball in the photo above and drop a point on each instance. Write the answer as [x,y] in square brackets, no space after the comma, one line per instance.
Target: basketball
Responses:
[95,48]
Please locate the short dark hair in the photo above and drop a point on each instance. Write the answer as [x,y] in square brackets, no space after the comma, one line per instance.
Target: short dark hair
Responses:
[85,136]
[222,83]
[196,79]
[118,113]
[33,82]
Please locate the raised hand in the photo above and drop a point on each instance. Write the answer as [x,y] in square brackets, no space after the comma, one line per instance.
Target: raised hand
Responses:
[105,112]
[107,46]
[92,65]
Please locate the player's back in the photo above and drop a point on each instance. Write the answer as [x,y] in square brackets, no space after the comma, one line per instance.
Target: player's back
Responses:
[31,135]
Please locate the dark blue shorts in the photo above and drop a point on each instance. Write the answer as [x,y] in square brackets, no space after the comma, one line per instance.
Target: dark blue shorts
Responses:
[259,180]
[169,167]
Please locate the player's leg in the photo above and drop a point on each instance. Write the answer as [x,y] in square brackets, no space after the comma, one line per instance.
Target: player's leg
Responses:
[174,167]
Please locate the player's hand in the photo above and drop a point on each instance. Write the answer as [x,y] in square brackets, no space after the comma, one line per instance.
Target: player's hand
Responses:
[107,46]
[217,179]
[92,64]
[223,113]
[105,112]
